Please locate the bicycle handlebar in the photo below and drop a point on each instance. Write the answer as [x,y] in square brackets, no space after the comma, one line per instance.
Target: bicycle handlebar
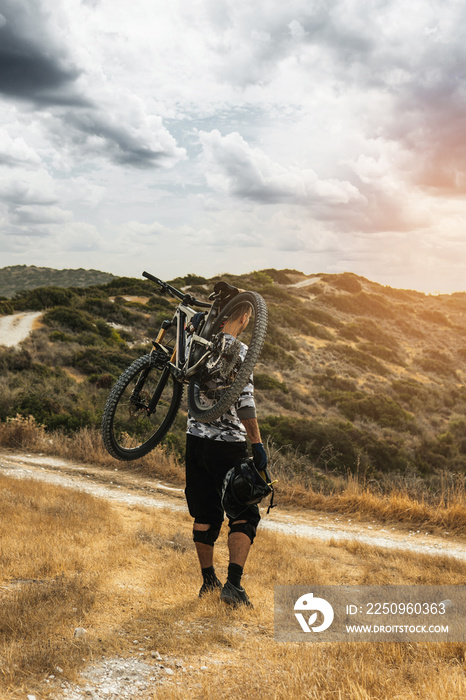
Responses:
[174,292]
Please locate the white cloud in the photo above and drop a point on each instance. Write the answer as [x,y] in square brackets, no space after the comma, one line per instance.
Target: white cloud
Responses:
[232,166]
[16,150]
[28,215]
[21,187]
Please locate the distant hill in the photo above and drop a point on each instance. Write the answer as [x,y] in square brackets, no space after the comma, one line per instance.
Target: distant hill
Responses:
[17,278]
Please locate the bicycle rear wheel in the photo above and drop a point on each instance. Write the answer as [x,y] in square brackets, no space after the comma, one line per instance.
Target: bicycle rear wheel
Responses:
[140,409]
[220,381]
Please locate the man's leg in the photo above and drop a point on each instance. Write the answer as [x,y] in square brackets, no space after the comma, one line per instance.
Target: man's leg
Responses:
[205,536]
[200,494]
[205,552]
[239,545]
[242,534]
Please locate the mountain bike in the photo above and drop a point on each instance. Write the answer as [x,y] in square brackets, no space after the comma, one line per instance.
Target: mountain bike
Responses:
[212,351]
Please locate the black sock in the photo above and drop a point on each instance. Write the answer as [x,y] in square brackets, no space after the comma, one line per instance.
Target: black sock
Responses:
[209,575]
[235,571]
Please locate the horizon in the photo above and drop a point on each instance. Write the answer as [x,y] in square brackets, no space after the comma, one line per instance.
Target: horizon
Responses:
[219,274]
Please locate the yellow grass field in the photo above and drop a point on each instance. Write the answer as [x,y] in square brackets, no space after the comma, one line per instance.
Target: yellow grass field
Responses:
[128,575]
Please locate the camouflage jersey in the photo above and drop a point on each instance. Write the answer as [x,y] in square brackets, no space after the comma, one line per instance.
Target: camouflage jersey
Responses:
[229,428]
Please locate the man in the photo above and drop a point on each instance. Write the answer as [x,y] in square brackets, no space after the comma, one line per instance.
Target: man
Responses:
[212,449]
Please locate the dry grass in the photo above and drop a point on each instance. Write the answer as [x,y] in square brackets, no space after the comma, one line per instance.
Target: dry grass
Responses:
[399,504]
[84,445]
[70,560]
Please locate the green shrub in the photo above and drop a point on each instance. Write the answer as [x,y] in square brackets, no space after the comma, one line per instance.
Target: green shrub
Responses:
[6,308]
[316,331]
[349,332]
[357,358]
[337,444]
[102,381]
[412,393]
[101,361]
[318,315]
[278,276]
[129,286]
[369,330]
[60,337]
[408,295]
[362,304]
[276,336]
[262,278]
[265,381]
[331,381]
[434,316]
[347,282]
[438,363]
[191,279]
[382,352]
[271,291]
[410,328]
[275,354]
[15,359]
[43,298]
[296,318]
[313,438]
[377,407]
[70,318]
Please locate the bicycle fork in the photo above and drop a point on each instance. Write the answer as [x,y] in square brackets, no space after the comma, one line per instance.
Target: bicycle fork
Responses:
[163,355]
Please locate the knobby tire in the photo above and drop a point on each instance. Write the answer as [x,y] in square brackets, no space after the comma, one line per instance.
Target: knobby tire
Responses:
[120,426]
[206,414]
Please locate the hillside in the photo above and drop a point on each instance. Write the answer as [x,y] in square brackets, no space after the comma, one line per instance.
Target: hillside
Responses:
[354,376]
[17,278]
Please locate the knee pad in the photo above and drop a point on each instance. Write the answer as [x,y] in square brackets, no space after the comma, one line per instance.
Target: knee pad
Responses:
[207,536]
[248,528]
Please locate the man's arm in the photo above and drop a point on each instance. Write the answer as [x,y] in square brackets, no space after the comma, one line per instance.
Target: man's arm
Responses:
[252,429]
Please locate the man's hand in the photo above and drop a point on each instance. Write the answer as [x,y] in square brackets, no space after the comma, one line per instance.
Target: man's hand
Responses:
[259,456]
[258,453]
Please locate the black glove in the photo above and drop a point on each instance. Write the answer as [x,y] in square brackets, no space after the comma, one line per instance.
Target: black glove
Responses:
[259,456]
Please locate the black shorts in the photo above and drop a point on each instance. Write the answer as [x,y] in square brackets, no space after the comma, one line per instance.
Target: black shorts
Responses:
[207,462]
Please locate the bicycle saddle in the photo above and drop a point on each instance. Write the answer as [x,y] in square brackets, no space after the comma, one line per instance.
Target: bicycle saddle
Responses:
[224,291]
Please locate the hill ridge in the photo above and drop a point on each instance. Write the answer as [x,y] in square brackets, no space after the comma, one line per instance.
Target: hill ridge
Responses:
[17,278]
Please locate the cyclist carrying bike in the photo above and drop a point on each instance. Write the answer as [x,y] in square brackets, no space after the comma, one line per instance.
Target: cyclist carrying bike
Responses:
[212,450]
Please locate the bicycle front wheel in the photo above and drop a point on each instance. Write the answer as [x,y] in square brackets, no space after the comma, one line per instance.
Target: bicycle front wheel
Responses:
[140,409]
[237,336]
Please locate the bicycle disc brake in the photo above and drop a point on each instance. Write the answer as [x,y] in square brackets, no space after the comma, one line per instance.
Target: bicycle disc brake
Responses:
[138,403]
[225,358]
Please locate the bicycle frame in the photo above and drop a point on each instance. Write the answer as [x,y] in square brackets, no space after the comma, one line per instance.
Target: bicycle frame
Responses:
[179,362]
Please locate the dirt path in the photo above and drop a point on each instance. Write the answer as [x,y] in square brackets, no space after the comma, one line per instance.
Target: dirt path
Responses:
[133,489]
[16,327]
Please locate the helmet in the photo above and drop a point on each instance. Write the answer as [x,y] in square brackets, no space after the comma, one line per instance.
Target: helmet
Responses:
[244,486]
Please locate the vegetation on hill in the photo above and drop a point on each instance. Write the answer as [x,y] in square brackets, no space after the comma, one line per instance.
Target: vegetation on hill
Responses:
[17,278]
[355,377]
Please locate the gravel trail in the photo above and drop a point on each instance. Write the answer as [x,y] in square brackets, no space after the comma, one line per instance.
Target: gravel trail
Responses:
[134,489]
[17,327]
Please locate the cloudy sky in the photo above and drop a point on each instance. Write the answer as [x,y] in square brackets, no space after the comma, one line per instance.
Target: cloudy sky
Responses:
[228,135]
